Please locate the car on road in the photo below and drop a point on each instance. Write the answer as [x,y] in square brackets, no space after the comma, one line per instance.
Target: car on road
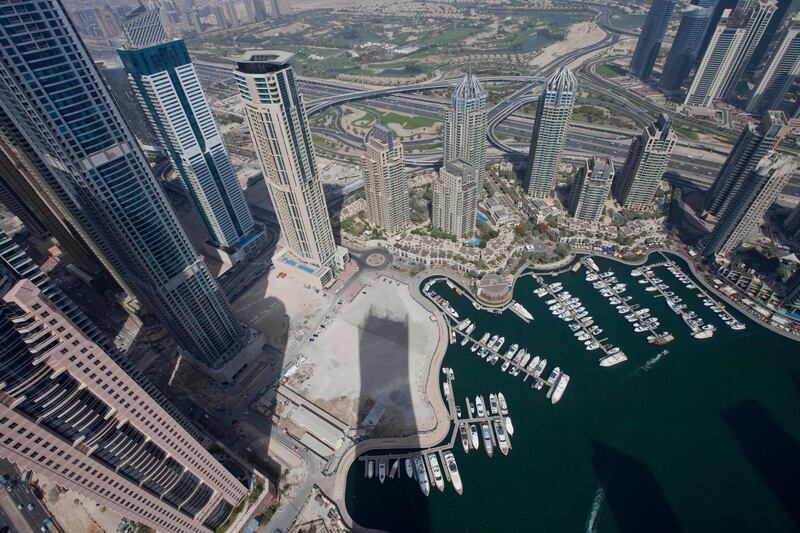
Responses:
[30,507]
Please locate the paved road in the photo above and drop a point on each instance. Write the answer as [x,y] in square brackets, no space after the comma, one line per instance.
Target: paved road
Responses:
[14,503]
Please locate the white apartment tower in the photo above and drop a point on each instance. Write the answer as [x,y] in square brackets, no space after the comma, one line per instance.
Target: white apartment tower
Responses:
[385,181]
[735,39]
[782,70]
[455,198]
[278,124]
[465,126]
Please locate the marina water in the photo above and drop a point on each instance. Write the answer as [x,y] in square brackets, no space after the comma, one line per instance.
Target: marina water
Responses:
[703,438]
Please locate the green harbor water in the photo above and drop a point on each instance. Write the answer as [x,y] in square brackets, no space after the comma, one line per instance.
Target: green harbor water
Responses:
[705,438]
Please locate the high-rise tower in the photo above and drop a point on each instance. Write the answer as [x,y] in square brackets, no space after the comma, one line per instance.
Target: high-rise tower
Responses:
[729,51]
[753,144]
[385,181]
[167,86]
[685,47]
[142,27]
[649,43]
[782,70]
[278,123]
[71,413]
[455,198]
[553,113]
[636,185]
[758,192]
[465,126]
[72,124]
[590,189]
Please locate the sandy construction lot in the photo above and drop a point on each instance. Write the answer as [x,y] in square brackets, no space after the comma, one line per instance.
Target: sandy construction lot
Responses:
[370,365]
[579,35]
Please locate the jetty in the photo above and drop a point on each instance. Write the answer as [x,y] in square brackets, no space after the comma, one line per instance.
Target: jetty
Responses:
[450,443]
[629,308]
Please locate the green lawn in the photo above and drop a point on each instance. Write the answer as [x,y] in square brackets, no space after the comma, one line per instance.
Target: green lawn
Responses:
[689,134]
[406,121]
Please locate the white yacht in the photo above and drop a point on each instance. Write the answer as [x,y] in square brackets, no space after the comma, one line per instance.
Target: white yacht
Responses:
[503,405]
[479,406]
[509,425]
[502,440]
[487,439]
[474,437]
[409,468]
[422,475]
[452,467]
[382,470]
[561,386]
[438,479]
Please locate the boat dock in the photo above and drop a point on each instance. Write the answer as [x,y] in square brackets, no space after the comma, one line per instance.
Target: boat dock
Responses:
[449,444]
[702,293]
[678,309]
[584,327]
[628,308]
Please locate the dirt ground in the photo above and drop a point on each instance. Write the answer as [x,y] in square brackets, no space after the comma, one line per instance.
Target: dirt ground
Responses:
[579,35]
[76,513]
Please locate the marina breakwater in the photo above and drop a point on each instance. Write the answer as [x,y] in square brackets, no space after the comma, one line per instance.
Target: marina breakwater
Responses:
[665,436]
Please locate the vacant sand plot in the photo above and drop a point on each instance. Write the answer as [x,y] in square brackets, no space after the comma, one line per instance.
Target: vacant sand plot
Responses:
[370,366]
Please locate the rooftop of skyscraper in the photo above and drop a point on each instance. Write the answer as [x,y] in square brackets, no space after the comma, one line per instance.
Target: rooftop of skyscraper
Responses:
[469,88]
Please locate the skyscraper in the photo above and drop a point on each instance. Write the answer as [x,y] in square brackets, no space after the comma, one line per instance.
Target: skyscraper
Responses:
[219,16]
[782,70]
[142,27]
[71,123]
[636,185]
[455,198]
[753,144]
[758,192]
[276,8]
[553,113]
[231,14]
[685,47]
[465,126]
[278,123]
[72,414]
[385,181]
[729,51]
[259,10]
[649,43]
[169,91]
[590,189]
[792,224]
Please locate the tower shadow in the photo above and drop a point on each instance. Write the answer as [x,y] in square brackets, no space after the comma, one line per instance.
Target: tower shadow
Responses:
[773,452]
[386,409]
[632,492]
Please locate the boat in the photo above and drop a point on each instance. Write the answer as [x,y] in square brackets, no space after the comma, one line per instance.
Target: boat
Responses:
[382,470]
[465,340]
[503,405]
[370,469]
[395,468]
[532,365]
[450,284]
[479,406]
[614,359]
[464,432]
[499,343]
[474,437]
[487,439]
[438,479]
[511,351]
[502,440]
[491,342]
[470,408]
[540,368]
[452,467]
[592,346]
[476,306]
[509,425]
[422,475]
[505,366]
[493,403]
[561,386]
[703,334]
[452,337]
[520,311]
[458,411]
[409,468]
[738,326]
[463,324]
[554,375]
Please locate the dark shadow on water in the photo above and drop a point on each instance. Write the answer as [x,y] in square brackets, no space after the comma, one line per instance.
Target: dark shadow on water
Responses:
[773,452]
[385,410]
[632,492]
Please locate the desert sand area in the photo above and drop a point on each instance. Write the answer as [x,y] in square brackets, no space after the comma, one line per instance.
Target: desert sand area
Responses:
[303,5]
[579,35]
[371,365]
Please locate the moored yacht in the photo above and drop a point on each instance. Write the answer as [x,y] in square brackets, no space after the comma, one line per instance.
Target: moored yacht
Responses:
[561,386]
[464,432]
[382,470]
[422,475]
[474,437]
[502,440]
[452,467]
[479,406]
[493,404]
[438,479]
[409,468]
[509,425]
[503,405]
[487,439]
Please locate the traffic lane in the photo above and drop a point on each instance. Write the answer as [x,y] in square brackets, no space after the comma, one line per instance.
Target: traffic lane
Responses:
[19,498]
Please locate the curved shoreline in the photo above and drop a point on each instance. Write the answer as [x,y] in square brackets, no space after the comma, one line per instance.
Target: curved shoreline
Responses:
[435,435]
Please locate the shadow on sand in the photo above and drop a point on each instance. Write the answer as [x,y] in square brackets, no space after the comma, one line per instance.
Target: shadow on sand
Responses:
[386,410]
